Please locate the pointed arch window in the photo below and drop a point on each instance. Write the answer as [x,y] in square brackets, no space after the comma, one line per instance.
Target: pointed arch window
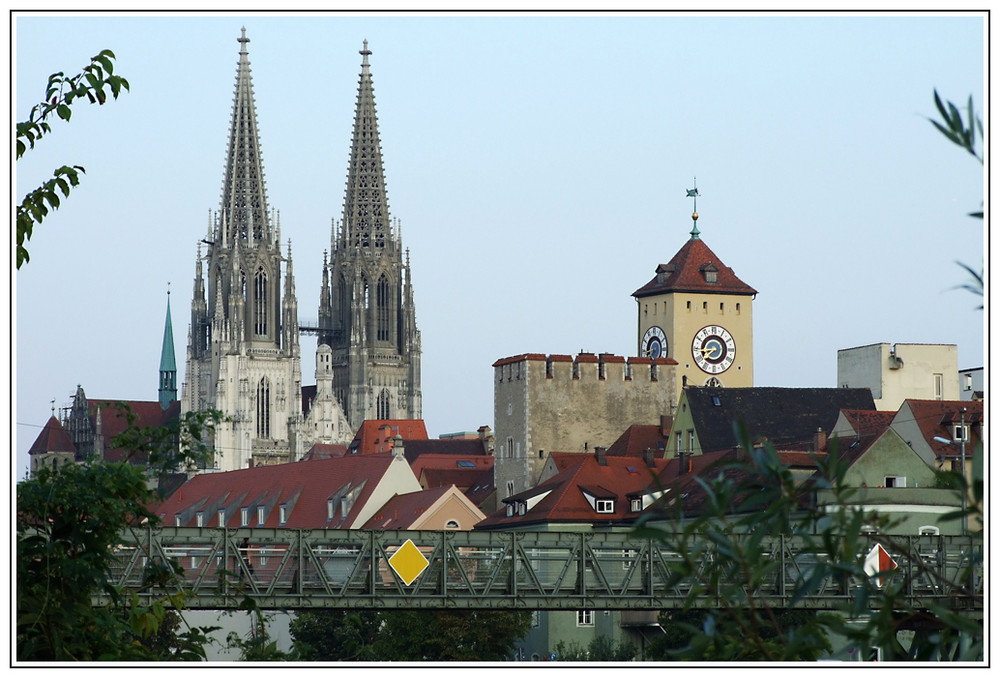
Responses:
[260,303]
[383,310]
[382,405]
[264,408]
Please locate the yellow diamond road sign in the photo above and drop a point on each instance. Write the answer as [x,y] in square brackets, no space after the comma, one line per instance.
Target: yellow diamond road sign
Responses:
[408,562]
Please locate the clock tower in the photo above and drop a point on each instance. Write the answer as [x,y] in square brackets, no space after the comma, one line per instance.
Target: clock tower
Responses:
[696,311]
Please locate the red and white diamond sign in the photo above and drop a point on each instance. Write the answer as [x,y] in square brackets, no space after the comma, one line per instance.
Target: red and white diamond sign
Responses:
[878,560]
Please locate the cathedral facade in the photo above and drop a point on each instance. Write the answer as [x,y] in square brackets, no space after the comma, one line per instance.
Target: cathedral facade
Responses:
[243,354]
[366,311]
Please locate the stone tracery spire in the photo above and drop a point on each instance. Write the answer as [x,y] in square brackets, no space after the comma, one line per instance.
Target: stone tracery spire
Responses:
[366,206]
[244,199]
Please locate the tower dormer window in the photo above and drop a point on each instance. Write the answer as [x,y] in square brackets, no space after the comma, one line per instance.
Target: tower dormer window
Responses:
[710,272]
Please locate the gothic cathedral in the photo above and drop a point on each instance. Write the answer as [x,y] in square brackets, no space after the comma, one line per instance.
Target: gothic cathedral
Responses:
[366,312]
[243,354]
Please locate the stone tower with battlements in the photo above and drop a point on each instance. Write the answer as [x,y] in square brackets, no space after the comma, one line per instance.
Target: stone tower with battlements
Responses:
[366,311]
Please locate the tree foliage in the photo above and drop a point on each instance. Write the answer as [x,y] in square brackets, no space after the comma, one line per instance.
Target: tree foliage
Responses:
[963,133]
[69,522]
[408,635]
[95,83]
[599,649]
[755,498]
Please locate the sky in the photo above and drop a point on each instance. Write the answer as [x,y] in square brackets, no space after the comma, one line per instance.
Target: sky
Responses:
[538,164]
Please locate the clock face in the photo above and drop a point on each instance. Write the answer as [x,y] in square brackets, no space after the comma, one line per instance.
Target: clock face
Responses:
[654,343]
[714,349]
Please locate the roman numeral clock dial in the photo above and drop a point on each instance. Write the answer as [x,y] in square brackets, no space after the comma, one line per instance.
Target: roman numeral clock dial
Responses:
[714,349]
[654,343]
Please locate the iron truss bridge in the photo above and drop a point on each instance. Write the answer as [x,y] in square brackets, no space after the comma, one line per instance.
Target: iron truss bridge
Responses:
[291,569]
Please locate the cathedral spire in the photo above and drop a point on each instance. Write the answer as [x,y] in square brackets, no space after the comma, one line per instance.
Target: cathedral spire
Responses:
[366,207]
[168,364]
[244,200]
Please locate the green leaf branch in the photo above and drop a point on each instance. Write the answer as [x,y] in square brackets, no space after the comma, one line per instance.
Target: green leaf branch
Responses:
[95,83]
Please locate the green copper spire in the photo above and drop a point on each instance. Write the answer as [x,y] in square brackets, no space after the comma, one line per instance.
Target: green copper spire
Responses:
[168,365]
[693,193]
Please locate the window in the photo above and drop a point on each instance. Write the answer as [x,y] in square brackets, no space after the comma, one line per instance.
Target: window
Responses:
[329,509]
[510,510]
[895,481]
[264,409]
[198,519]
[510,488]
[260,303]
[968,382]
[260,515]
[605,505]
[222,517]
[282,514]
[938,386]
[451,525]
[382,406]
[691,441]
[522,508]
[177,520]
[928,530]
[635,504]
[382,310]
[244,517]
[585,618]
[961,433]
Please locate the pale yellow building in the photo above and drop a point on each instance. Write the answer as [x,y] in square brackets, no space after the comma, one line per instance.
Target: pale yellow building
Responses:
[897,372]
[697,312]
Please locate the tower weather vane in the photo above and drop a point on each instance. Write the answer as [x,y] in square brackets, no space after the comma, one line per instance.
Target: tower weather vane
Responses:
[693,193]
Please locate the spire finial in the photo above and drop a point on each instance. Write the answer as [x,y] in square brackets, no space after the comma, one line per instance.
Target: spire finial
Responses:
[693,193]
[243,40]
[365,52]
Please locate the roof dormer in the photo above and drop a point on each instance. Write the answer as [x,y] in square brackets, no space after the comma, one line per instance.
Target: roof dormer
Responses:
[663,272]
[710,273]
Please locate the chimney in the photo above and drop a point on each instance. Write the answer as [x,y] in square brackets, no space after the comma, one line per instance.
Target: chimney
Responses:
[601,454]
[682,463]
[819,440]
[649,457]
[666,423]
[397,447]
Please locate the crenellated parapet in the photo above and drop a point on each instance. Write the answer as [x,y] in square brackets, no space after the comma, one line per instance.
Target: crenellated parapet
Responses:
[583,366]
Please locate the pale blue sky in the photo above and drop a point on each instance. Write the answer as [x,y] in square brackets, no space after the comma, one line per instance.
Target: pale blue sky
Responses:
[539,167]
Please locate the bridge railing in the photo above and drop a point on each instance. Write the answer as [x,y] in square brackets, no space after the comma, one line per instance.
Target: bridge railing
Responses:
[302,569]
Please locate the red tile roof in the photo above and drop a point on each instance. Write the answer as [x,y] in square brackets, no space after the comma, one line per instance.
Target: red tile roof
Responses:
[400,512]
[113,422]
[639,438]
[304,487]
[567,499]
[325,451]
[53,438]
[936,417]
[683,273]
[439,447]
[868,422]
[375,436]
